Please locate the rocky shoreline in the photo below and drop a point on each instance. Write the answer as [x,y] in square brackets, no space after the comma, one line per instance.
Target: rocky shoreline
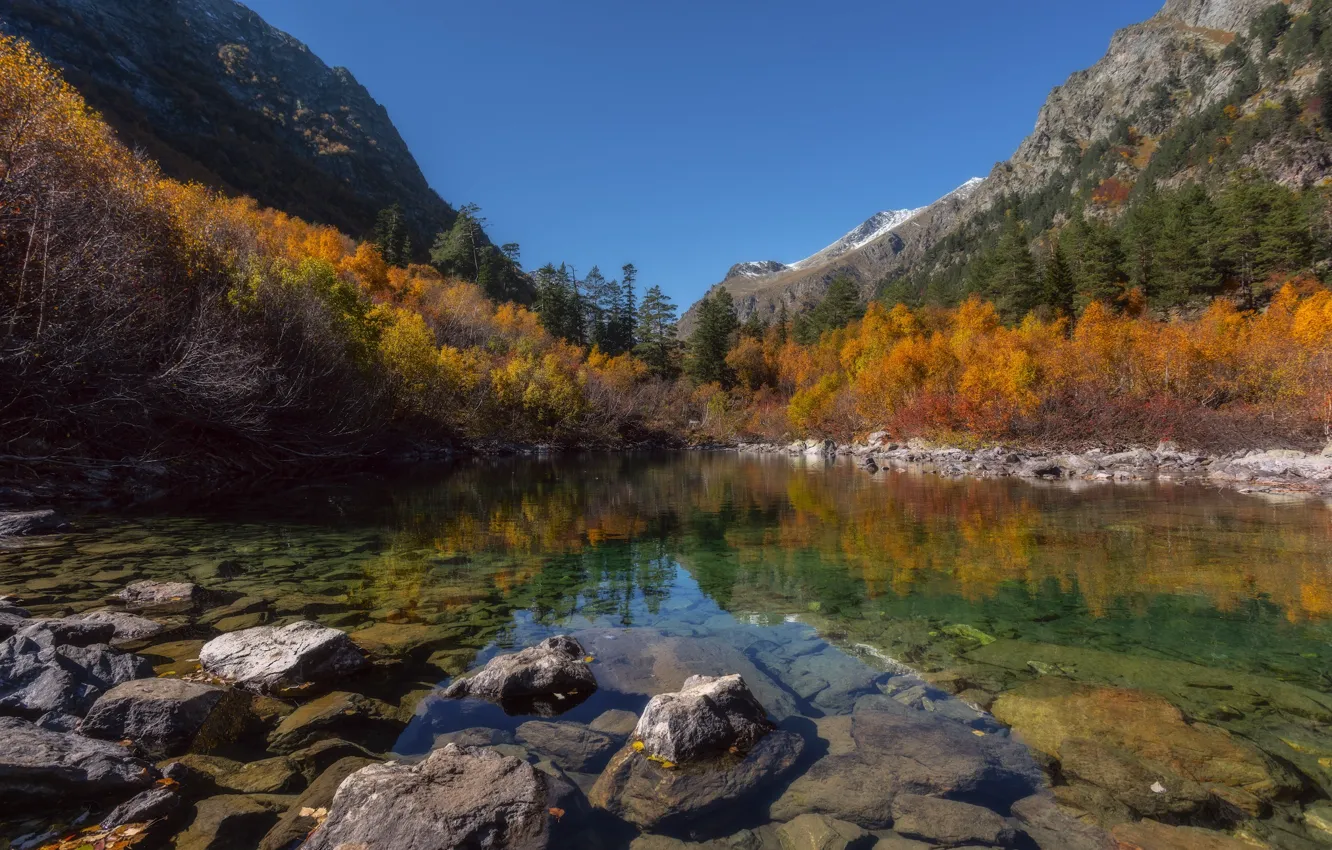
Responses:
[1275,471]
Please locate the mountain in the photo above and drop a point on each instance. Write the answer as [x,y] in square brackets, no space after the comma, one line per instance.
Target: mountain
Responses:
[884,242]
[1201,91]
[215,94]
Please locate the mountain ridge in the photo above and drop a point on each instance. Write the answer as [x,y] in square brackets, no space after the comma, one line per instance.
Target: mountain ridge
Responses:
[215,94]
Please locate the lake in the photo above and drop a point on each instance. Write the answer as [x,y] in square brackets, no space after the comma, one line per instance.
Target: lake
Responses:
[1188,610]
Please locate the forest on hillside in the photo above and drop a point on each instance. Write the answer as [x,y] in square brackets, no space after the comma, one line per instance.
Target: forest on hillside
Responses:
[146,320]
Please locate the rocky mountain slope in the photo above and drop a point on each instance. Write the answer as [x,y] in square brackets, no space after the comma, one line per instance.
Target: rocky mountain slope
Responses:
[885,241]
[215,94]
[1146,114]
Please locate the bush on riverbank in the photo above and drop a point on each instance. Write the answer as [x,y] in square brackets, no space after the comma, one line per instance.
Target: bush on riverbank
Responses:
[1227,378]
[147,319]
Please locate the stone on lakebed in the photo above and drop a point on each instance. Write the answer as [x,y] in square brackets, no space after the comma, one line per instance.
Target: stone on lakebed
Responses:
[553,668]
[272,658]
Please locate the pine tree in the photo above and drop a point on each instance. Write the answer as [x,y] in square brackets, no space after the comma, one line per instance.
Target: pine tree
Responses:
[457,251]
[839,307]
[783,323]
[1057,289]
[391,237]
[711,341]
[1097,260]
[657,345]
[1012,283]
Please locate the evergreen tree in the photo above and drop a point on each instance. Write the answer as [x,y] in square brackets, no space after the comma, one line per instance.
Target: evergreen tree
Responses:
[626,316]
[783,323]
[391,237]
[1186,247]
[754,327]
[657,345]
[1057,288]
[457,251]
[1097,260]
[557,303]
[1012,283]
[839,307]
[711,340]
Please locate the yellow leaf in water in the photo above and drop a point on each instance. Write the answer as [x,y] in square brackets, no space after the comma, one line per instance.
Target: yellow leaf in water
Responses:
[588,659]
[978,733]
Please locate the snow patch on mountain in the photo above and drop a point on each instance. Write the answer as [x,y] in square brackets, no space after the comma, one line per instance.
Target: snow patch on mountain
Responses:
[875,227]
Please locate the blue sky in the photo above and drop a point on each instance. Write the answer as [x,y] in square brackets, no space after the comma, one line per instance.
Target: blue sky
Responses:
[685,136]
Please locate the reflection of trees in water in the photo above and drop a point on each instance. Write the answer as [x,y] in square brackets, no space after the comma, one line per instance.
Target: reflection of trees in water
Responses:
[585,533]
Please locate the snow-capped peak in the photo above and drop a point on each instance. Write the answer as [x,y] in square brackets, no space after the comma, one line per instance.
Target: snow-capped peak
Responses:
[875,227]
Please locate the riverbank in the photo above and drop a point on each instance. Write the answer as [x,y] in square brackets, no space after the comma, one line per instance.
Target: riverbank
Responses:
[1275,471]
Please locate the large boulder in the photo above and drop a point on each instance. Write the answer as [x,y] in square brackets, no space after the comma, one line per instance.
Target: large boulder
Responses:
[819,832]
[161,716]
[662,797]
[904,751]
[1052,828]
[553,670]
[40,675]
[709,715]
[67,632]
[276,659]
[160,801]
[458,797]
[41,768]
[1048,713]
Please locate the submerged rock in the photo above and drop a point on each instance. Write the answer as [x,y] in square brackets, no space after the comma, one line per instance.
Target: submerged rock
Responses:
[1052,828]
[456,798]
[570,745]
[909,752]
[819,832]
[708,716]
[338,715]
[616,722]
[1048,713]
[161,716]
[149,594]
[1150,835]
[552,669]
[657,796]
[269,658]
[230,821]
[949,823]
[39,767]
[39,675]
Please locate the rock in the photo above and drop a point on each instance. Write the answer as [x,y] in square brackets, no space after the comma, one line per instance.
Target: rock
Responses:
[401,640]
[337,715]
[151,594]
[68,632]
[818,832]
[1054,829]
[266,776]
[570,745]
[949,823]
[475,736]
[1146,789]
[1150,835]
[457,797]
[552,669]
[38,676]
[22,523]
[709,715]
[157,802]
[11,623]
[229,821]
[316,758]
[58,722]
[1048,712]
[616,723]
[654,797]
[296,823]
[909,752]
[127,628]
[644,661]
[39,767]
[161,716]
[274,659]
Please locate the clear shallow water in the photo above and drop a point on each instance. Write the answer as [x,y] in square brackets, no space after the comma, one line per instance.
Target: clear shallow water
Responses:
[822,577]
